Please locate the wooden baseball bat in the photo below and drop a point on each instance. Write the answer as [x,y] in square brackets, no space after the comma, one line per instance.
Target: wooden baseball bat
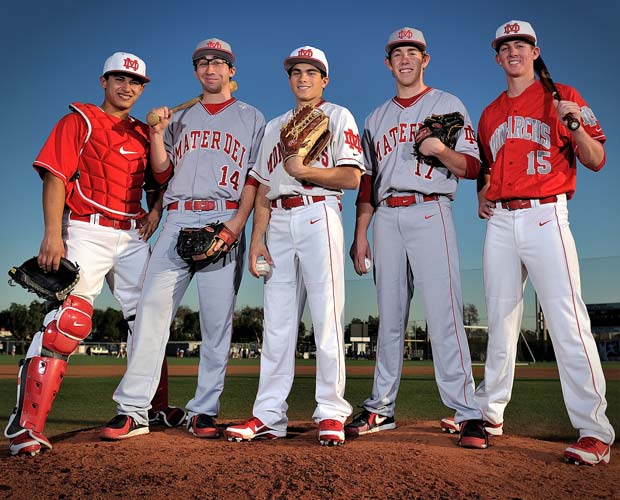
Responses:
[545,77]
[153,119]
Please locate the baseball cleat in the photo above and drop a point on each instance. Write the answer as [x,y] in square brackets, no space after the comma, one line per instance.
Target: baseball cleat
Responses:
[250,430]
[448,425]
[494,429]
[171,416]
[473,435]
[203,426]
[28,443]
[367,422]
[331,432]
[588,451]
[122,427]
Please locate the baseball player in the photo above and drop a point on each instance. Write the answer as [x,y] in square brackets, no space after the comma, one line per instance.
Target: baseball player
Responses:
[415,238]
[298,231]
[529,172]
[206,150]
[93,167]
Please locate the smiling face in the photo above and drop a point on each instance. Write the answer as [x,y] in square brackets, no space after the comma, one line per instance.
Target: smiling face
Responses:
[307,83]
[121,92]
[407,64]
[516,57]
[214,74]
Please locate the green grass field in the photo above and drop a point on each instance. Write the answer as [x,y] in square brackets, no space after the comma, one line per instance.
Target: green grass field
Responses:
[536,410]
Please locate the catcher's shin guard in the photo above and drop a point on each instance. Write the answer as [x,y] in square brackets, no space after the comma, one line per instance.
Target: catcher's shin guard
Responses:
[38,382]
[71,325]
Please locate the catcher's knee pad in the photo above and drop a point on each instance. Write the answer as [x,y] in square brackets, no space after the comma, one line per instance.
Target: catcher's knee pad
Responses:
[38,382]
[71,325]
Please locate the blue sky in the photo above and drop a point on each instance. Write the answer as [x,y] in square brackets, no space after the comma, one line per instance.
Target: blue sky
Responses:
[53,54]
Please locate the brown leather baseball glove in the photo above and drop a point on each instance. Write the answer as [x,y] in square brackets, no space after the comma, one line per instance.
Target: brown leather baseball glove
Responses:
[305,134]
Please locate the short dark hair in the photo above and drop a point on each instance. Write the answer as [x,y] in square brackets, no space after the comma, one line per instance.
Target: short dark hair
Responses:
[290,70]
[130,75]
[406,44]
[522,39]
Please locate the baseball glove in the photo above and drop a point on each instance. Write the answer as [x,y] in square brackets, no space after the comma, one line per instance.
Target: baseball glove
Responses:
[444,127]
[54,286]
[197,244]
[305,134]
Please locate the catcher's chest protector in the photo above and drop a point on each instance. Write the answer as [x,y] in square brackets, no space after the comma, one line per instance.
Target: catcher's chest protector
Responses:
[113,160]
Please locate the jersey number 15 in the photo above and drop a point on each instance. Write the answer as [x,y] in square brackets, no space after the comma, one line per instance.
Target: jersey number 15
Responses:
[538,162]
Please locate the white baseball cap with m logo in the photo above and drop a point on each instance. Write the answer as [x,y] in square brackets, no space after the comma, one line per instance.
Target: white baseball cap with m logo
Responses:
[124,62]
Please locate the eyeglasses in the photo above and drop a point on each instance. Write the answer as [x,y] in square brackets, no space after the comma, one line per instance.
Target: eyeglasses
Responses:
[216,61]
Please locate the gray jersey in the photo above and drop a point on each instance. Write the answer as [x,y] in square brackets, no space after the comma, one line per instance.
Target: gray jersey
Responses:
[344,148]
[212,153]
[389,135]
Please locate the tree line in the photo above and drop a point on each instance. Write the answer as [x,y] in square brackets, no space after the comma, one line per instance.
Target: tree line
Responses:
[109,326]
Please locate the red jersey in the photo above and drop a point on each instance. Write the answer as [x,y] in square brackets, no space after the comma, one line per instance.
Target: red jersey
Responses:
[527,149]
[101,159]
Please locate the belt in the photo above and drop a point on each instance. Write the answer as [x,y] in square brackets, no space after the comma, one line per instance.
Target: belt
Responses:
[102,220]
[519,204]
[405,201]
[288,202]
[204,205]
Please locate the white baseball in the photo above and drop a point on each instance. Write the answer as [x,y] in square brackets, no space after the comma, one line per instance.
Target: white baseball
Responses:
[368,264]
[262,267]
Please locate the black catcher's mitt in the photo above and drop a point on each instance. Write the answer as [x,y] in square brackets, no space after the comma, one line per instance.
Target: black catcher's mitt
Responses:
[197,244]
[445,127]
[54,286]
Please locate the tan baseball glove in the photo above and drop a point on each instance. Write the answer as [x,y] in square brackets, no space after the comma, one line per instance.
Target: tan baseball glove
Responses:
[305,134]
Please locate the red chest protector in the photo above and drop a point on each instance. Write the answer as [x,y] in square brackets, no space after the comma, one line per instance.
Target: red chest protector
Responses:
[111,166]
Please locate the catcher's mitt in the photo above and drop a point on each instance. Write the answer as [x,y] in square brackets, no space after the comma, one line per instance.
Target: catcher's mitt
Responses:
[197,244]
[445,127]
[305,134]
[54,286]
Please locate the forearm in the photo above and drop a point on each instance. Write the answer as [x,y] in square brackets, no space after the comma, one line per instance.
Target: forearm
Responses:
[154,199]
[342,177]
[590,152]
[262,213]
[53,205]
[363,217]
[159,156]
[246,203]
[454,161]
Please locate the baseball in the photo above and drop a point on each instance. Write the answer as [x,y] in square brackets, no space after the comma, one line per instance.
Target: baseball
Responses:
[263,267]
[368,264]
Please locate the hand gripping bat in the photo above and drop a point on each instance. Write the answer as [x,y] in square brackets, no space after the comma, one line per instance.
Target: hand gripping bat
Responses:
[153,119]
[545,77]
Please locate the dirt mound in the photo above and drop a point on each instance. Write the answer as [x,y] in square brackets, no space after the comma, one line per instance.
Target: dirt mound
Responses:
[414,461]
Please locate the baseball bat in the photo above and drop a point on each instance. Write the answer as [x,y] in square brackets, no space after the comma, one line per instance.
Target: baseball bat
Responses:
[153,119]
[545,77]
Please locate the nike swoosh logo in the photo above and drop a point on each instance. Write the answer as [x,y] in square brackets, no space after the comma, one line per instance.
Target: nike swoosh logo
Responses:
[314,221]
[541,224]
[379,419]
[125,152]
[429,216]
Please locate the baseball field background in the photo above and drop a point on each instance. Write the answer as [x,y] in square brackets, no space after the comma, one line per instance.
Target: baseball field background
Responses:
[85,401]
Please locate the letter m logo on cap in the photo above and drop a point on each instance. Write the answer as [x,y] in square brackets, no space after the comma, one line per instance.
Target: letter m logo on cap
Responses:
[512,28]
[405,34]
[131,64]
[305,53]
